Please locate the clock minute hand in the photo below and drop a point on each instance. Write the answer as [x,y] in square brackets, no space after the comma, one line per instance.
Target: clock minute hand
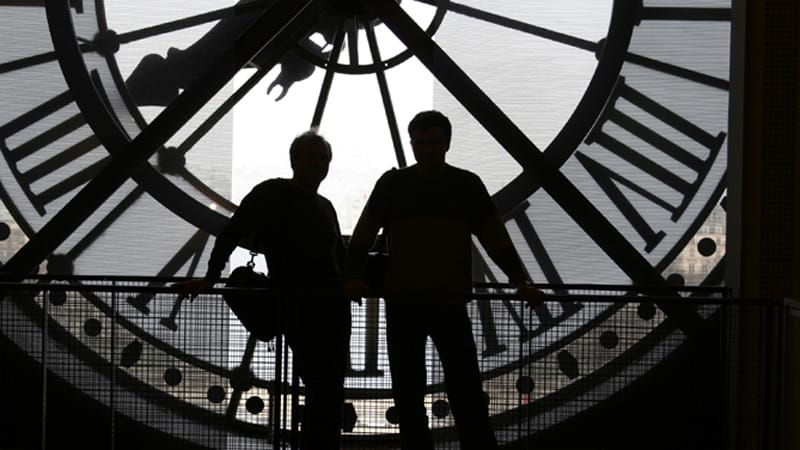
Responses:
[486,16]
[273,33]
[591,220]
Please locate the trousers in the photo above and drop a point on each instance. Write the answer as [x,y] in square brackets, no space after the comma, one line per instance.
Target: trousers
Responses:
[318,332]
[408,326]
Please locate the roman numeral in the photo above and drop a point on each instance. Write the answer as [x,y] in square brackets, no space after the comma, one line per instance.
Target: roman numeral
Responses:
[77,5]
[44,169]
[683,13]
[674,161]
[546,317]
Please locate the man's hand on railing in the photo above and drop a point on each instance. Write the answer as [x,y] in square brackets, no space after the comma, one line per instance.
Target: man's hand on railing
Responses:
[355,289]
[530,293]
[190,288]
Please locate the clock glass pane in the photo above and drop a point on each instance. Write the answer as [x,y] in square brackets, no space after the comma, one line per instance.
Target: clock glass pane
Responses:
[600,129]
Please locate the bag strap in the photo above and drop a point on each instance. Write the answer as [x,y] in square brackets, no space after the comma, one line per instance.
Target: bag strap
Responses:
[381,244]
[252,263]
[254,251]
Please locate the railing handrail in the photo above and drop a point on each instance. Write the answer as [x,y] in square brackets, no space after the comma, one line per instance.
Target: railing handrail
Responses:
[605,293]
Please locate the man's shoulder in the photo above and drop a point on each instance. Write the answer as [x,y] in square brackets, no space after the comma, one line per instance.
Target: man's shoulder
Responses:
[393,176]
[271,185]
[458,174]
[410,173]
[394,172]
[266,191]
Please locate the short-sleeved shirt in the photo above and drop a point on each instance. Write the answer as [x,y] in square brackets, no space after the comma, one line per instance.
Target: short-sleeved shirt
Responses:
[430,221]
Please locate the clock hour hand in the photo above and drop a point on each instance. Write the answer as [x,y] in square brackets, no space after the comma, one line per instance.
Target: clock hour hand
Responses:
[158,80]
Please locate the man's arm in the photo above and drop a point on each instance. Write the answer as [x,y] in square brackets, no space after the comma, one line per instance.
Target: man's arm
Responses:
[360,243]
[238,226]
[494,237]
[224,245]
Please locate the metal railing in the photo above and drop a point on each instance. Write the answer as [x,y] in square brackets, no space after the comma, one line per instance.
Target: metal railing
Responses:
[191,371]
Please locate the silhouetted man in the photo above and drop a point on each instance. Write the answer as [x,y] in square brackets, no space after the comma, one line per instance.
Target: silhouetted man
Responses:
[431,210]
[298,231]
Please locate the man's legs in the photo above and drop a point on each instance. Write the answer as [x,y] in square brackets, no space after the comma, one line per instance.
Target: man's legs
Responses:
[406,337]
[319,336]
[456,346]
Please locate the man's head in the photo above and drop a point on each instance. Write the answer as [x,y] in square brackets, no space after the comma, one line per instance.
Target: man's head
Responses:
[310,156]
[430,133]
[431,119]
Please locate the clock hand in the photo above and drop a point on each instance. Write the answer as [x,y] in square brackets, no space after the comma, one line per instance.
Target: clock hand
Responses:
[224,14]
[282,25]
[496,19]
[591,220]
[170,160]
[158,80]
[130,36]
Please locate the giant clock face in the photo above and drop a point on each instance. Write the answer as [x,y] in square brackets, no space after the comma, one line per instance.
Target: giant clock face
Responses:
[599,127]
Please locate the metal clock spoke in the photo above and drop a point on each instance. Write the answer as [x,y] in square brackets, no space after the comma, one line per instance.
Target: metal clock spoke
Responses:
[354,16]
[327,81]
[391,119]
[458,83]
[352,41]
[652,63]
[220,112]
[99,229]
[31,61]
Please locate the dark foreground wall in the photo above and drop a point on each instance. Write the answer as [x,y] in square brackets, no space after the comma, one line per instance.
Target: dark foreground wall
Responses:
[681,404]
[73,420]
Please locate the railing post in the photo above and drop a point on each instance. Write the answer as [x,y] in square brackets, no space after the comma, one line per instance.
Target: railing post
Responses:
[295,419]
[45,337]
[276,403]
[113,364]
